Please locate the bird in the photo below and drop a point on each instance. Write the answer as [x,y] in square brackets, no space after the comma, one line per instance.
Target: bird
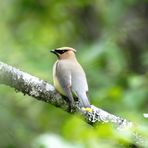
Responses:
[69,78]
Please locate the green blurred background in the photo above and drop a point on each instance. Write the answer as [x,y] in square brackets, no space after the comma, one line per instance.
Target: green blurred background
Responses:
[111,39]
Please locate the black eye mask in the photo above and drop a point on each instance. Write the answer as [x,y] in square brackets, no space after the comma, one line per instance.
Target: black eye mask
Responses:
[60,51]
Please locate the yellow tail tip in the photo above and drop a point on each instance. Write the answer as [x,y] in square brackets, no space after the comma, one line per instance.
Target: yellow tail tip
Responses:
[87,109]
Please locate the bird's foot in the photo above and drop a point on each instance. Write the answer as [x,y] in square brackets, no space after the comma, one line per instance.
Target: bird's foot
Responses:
[71,108]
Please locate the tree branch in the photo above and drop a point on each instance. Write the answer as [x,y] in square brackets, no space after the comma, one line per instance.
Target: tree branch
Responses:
[41,90]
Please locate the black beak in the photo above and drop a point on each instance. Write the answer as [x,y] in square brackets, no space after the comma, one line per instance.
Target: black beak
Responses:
[53,51]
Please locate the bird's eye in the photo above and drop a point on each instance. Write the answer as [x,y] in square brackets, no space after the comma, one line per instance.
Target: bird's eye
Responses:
[61,51]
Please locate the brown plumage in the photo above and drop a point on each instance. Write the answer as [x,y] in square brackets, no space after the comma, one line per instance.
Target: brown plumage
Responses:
[69,77]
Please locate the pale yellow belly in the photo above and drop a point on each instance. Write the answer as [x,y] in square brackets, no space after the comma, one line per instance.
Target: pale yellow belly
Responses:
[58,86]
[56,82]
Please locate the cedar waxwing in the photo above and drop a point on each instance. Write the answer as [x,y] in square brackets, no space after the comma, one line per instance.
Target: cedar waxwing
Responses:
[69,77]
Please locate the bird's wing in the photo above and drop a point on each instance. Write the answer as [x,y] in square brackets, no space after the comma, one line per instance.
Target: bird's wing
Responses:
[79,81]
[64,77]
[79,85]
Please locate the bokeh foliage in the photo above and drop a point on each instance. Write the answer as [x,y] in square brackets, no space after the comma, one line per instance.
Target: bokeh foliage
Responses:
[111,38]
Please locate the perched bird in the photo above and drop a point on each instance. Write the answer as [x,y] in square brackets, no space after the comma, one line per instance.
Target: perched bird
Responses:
[69,77]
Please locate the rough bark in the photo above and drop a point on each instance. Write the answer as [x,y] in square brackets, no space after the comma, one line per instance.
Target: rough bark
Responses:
[43,91]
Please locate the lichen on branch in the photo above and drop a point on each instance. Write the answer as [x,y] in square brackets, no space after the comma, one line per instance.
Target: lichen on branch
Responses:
[43,91]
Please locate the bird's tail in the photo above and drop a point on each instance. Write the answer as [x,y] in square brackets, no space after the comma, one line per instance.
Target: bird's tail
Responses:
[84,101]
